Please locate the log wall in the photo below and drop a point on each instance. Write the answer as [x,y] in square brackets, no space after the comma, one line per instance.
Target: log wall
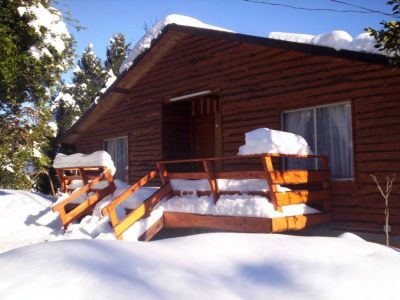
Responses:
[255,84]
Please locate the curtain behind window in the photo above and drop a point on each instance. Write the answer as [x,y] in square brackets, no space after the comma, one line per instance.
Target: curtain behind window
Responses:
[335,138]
[118,150]
[328,131]
[122,159]
[301,123]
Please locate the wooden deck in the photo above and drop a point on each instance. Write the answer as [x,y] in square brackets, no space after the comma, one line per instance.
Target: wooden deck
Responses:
[317,196]
[179,220]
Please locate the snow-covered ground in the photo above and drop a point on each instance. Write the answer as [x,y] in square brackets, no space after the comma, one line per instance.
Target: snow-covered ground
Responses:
[26,218]
[206,266]
[81,264]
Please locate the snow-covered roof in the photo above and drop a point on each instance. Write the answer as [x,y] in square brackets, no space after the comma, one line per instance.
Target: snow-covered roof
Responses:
[337,40]
[145,42]
[98,158]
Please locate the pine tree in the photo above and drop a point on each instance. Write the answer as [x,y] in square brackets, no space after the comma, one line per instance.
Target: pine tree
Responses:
[388,38]
[65,109]
[116,52]
[35,49]
[89,78]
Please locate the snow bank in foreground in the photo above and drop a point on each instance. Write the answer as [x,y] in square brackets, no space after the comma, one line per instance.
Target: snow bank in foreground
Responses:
[98,158]
[26,218]
[337,39]
[207,266]
[265,140]
[145,42]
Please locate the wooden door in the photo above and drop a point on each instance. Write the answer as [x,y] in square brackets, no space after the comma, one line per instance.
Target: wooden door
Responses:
[206,127]
[204,135]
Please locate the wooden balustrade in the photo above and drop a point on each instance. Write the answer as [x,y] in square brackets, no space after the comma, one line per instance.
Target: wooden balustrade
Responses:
[89,202]
[274,178]
[144,209]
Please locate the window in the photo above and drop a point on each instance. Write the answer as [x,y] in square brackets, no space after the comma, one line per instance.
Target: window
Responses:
[328,131]
[118,149]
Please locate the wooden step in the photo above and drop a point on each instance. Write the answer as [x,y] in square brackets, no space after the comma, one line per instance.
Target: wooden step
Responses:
[302,196]
[299,176]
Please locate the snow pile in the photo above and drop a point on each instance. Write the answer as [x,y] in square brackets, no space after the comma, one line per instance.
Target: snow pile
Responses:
[135,199]
[98,158]
[227,205]
[233,205]
[337,39]
[231,185]
[207,266]
[50,19]
[145,42]
[237,185]
[26,218]
[292,37]
[265,140]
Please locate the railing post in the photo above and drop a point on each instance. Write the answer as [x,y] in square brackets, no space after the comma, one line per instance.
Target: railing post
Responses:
[268,168]
[209,168]
[83,175]
[60,174]
[163,173]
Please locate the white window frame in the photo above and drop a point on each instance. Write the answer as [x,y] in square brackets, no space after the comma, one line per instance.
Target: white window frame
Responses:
[315,107]
[115,139]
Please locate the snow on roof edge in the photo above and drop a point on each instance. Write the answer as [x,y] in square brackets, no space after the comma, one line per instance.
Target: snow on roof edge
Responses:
[337,39]
[145,42]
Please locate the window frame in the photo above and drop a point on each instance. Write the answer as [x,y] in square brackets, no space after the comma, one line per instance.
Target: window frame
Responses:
[314,108]
[114,139]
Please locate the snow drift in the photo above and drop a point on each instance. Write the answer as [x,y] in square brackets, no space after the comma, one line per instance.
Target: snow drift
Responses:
[98,158]
[207,266]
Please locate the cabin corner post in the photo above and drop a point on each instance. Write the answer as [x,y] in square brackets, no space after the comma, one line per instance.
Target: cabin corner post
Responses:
[268,168]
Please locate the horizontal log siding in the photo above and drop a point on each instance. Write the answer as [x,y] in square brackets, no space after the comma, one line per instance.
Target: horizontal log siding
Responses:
[255,84]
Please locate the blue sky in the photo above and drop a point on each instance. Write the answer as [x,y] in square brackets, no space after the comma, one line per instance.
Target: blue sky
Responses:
[103,18]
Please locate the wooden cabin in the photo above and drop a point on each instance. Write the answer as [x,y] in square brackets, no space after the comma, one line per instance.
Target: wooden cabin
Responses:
[195,92]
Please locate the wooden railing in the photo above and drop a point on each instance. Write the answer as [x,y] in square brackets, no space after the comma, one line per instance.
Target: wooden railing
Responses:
[79,173]
[143,210]
[89,202]
[273,177]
